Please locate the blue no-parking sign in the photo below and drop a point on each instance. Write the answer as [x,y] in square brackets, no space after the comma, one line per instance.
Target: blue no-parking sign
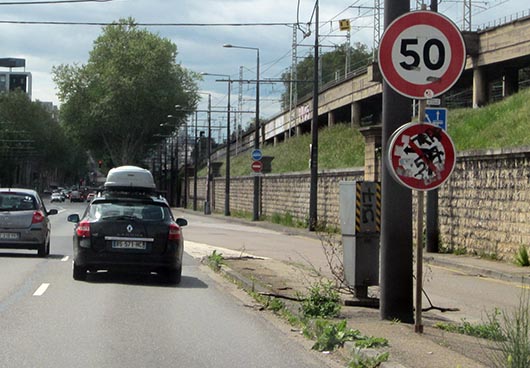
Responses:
[436,116]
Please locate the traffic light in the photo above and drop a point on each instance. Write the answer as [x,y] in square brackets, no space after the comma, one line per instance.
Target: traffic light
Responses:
[100,162]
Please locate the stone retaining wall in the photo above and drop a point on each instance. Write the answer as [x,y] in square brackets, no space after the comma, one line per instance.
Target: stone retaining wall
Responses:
[484,207]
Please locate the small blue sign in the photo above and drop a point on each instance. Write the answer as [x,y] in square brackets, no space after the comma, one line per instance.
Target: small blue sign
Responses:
[436,116]
[257,155]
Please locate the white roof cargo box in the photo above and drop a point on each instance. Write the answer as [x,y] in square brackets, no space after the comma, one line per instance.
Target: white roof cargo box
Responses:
[129,178]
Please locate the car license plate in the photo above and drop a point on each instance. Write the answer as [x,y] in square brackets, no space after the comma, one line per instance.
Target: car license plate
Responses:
[9,236]
[128,244]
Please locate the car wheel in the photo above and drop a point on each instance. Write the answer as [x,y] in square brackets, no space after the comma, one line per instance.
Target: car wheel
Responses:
[173,276]
[79,273]
[42,250]
[48,248]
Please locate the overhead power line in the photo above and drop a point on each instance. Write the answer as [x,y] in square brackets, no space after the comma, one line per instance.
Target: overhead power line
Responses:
[144,24]
[52,2]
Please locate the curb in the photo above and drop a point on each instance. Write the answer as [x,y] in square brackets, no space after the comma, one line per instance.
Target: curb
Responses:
[250,286]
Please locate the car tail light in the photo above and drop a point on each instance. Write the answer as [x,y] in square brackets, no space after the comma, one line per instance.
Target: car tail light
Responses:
[174,232]
[83,229]
[38,217]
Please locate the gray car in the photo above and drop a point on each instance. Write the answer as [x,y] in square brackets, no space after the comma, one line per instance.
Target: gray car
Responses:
[24,222]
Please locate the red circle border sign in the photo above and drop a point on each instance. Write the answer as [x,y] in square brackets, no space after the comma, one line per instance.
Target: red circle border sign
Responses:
[456,63]
[421,156]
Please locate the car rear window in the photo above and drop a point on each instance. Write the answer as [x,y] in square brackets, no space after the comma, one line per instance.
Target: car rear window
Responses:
[141,211]
[16,202]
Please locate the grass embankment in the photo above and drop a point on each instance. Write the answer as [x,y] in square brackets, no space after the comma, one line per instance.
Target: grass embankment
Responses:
[505,124]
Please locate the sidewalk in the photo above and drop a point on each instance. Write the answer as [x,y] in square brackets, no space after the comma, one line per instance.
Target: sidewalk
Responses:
[291,277]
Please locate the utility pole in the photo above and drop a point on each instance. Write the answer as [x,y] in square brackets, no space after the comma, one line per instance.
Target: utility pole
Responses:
[313,190]
[431,225]
[396,226]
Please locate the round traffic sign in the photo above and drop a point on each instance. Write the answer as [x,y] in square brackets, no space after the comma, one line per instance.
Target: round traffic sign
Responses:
[257,166]
[257,155]
[421,156]
[422,54]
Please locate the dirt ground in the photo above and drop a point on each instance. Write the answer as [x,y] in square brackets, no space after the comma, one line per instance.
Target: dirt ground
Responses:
[432,349]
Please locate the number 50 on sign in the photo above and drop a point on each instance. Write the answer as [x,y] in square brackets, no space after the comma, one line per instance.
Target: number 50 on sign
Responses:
[422,54]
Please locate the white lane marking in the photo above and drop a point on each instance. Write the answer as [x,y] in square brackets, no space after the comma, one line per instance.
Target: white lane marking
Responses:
[64,259]
[199,250]
[41,290]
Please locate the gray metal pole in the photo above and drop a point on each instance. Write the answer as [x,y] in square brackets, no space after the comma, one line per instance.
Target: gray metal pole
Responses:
[313,190]
[207,203]
[432,200]
[196,163]
[227,174]
[185,203]
[396,227]
[256,212]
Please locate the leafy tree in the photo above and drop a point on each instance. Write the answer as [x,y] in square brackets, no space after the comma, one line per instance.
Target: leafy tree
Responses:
[33,146]
[331,63]
[115,104]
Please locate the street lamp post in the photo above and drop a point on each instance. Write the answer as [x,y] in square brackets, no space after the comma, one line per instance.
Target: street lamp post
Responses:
[196,163]
[185,201]
[227,174]
[207,202]
[255,215]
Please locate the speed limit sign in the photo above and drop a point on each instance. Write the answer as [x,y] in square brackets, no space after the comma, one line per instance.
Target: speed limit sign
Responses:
[422,54]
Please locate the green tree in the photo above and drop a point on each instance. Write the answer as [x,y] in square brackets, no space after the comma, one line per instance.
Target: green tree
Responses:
[332,63]
[33,146]
[116,103]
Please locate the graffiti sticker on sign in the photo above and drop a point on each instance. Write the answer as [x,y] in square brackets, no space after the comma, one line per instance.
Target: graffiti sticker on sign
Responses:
[421,156]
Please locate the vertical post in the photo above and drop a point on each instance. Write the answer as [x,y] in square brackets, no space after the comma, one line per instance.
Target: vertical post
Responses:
[207,203]
[175,172]
[396,227]
[313,194]
[227,174]
[196,163]
[432,200]
[185,203]
[256,212]
[418,327]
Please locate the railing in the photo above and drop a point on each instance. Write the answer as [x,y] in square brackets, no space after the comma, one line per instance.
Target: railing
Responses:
[504,20]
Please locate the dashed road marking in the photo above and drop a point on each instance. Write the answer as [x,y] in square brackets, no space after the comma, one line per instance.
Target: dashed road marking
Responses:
[41,290]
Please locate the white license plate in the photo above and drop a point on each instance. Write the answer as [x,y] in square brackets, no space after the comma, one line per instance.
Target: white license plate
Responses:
[128,244]
[9,236]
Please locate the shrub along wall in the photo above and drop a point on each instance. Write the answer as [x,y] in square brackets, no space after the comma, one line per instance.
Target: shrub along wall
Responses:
[484,207]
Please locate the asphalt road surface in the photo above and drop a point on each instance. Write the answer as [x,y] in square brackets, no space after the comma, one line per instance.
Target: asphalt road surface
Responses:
[119,320]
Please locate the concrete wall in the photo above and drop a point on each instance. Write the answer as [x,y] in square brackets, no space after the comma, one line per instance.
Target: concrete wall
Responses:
[484,207]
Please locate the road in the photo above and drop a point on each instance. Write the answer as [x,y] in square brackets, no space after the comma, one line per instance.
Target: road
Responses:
[49,320]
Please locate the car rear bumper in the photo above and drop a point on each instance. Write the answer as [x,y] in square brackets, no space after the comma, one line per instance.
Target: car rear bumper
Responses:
[20,245]
[140,262]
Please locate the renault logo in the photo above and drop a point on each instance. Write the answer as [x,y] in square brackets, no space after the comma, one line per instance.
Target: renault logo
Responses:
[129,228]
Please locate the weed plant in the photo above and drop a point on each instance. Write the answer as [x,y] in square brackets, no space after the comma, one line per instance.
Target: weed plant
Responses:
[323,301]
[215,260]
[521,257]
[359,361]
[513,351]
[329,335]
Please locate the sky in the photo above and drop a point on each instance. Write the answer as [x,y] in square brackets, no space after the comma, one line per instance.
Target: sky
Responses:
[197,31]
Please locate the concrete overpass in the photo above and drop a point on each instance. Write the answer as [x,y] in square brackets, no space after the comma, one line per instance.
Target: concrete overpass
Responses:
[494,55]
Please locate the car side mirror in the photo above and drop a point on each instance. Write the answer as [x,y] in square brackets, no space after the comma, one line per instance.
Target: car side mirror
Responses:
[182,222]
[73,218]
[52,212]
